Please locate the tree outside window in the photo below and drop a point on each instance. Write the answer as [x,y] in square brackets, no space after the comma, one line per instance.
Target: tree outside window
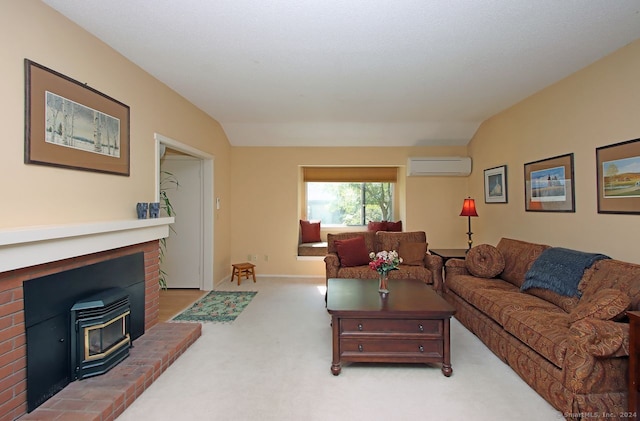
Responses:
[350,204]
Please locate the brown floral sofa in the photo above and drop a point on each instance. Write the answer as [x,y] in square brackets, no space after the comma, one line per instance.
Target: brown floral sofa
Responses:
[417,264]
[572,350]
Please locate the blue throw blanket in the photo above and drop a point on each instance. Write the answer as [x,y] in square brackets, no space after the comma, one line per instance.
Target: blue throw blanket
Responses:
[560,270]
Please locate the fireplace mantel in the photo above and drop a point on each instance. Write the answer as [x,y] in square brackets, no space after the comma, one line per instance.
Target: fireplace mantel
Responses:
[29,246]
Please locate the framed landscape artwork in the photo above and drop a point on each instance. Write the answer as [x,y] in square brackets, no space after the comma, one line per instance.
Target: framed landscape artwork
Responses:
[549,185]
[71,125]
[495,185]
[618,172]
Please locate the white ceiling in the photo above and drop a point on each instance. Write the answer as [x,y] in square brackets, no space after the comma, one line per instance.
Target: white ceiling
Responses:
[357,72]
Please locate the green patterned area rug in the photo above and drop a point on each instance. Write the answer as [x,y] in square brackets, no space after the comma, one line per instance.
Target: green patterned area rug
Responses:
[217,307]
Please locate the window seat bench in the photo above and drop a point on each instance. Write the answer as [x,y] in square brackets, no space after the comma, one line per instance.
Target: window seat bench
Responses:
[312,249]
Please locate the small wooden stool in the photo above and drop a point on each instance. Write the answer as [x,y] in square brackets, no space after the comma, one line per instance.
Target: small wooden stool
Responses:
[245,269]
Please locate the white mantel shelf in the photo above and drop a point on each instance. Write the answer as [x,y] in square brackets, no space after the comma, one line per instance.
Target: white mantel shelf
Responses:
[29,246]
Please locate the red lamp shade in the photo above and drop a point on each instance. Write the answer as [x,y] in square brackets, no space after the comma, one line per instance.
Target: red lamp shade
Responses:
[469,208]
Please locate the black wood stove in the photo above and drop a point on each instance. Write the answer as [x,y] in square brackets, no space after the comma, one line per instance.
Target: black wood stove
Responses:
[100,336]
[105,301]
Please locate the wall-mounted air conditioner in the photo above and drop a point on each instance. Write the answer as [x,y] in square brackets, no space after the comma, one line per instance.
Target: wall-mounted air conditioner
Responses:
[453,166]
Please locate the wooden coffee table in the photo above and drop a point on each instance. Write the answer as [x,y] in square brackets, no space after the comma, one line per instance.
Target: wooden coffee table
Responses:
[409,325]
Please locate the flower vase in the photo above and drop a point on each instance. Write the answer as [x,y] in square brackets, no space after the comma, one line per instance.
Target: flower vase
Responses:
[383,286]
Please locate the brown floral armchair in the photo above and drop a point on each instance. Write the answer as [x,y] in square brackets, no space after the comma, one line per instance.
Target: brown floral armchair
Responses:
[428,269]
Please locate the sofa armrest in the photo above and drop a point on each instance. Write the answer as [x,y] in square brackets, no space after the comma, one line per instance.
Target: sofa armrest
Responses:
[601,338]
[455,267]
[332,264]
[434,264]
[593,345]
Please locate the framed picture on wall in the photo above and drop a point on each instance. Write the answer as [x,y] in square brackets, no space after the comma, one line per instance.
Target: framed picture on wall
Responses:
[71,125]
[618,172]
[495,185]
[549,185]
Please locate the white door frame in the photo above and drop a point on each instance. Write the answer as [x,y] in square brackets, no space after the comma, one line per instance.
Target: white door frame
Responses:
[207,200]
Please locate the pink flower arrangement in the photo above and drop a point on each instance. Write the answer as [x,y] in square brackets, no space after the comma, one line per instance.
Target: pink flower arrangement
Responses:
[384,261]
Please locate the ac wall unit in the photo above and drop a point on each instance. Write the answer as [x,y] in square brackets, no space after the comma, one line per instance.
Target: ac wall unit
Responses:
[452,166]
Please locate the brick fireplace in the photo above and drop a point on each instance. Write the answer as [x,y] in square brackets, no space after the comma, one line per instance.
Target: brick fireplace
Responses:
[26,255]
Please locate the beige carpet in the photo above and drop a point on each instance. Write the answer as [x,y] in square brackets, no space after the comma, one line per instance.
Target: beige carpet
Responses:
[273,363]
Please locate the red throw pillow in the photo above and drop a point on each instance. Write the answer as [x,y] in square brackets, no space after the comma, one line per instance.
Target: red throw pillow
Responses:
[377,226]
[394,226]
[352,252]
[310,231]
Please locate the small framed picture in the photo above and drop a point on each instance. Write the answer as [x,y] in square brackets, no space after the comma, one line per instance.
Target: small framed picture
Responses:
[618,169]
[495,185]
[549,185]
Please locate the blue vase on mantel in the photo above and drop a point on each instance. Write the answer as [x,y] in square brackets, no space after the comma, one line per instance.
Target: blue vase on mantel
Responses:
[154,210]
[141,209]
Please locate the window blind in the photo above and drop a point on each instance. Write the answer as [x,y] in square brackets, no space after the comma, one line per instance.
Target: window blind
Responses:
[350,174]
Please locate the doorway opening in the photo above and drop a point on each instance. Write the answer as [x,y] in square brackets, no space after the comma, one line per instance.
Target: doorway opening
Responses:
[196,168]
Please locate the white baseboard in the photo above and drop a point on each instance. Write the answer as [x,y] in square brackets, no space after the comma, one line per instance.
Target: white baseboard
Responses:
[310,258]
[228,277]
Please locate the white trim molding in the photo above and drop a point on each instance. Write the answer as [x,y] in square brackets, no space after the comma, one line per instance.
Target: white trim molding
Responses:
[29,246]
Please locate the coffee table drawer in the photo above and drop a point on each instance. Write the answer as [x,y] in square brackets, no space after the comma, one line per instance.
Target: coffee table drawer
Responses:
[421,327]
[417,347]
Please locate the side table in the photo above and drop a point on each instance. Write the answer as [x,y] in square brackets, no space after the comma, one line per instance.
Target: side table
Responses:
[447,254]
[634,360]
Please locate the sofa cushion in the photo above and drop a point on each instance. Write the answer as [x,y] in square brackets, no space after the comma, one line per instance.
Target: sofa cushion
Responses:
[518,257]
[484,261]
[386,240]
[369,239]
[394,226]
[312,249]
[616,274]
[377,226]
[357,272]
[545,330]
[412,272]
[606,304]
[412,254]
[540,324]
[404,272]
[310,232]
[495,303]
[391,226]
[562,301]
[471,289]
[352,252]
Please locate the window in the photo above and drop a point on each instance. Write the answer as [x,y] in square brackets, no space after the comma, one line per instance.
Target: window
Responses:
[349,203]
[349,196]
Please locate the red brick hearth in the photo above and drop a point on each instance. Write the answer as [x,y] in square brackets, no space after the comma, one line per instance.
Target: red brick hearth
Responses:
[99,398]
[103,398]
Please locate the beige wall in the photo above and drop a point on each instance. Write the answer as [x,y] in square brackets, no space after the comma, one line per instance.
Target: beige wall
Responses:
[36,195]
[264,201]
[594,107]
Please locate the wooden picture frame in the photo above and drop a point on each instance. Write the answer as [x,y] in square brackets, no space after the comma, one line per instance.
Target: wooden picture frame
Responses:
[495,185]
[618,177]
[71,125]
[550,185]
